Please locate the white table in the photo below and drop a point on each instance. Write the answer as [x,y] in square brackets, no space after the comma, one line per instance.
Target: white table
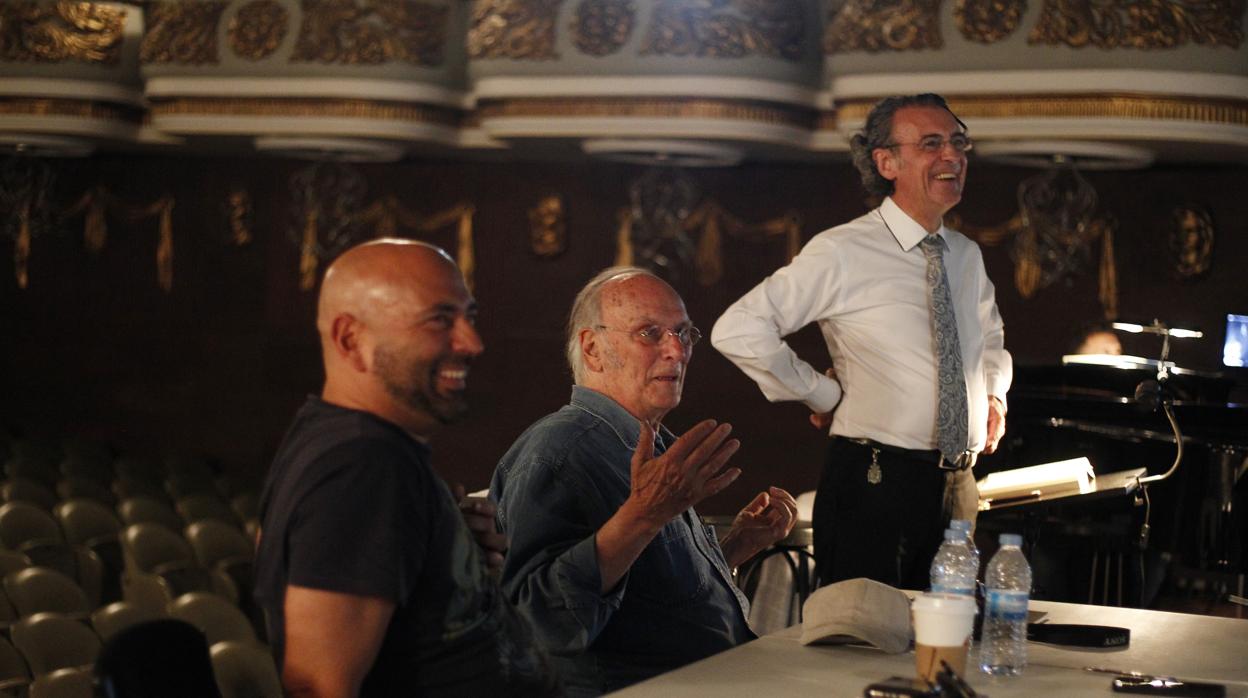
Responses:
[1187,646]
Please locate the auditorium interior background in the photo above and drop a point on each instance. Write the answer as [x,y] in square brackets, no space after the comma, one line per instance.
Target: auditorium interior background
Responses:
[176,174]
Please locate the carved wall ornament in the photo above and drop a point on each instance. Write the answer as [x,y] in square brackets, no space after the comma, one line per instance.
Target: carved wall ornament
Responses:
[602,27]
[98,202]
[726,28]
[1191,241]
[1055,231]
[548,227]
[519,29]
[64,31]
[371,32]
[1141,24]
[239,216]
[325,198]
[258,28]
[883,25]
[659,228]
[988,21]
[181,32]
[26,186]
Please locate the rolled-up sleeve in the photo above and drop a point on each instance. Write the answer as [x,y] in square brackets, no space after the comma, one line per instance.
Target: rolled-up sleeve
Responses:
[551,572]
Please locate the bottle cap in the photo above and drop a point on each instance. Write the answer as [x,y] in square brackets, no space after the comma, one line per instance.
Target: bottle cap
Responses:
[953,534]
[1011,539]
[960,525]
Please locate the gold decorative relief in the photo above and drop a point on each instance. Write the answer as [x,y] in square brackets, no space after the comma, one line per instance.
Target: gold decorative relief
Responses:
[988,21]
[548,227]
[369,32]
[181,32]
[601,27]
[257,29]
[1191,241]
[883,25]
[726,28]
[64,31]
[1142,24]
[523,29]
[657,107]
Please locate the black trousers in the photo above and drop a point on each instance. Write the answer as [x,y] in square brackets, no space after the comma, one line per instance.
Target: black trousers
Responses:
[882,523]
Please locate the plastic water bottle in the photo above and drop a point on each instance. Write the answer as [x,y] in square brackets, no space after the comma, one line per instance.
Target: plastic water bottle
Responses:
[965,527]
[953,570]
[1003,649]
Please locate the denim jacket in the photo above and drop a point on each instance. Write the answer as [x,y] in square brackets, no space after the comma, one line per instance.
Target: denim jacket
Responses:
[556,486]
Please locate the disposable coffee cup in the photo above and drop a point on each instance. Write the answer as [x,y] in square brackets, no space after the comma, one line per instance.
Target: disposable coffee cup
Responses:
[943,624]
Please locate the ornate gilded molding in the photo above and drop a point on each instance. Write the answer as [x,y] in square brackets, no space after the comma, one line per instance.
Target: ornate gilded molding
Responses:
[602,27]
[65,31]
[1141,24]
[257,29]
[366,32]
[1119,106]
[883,25]
[548,227]
[181,32]
[306,107]
[519,29]
[988,21]
[726,29]
[47,106]
[677,108]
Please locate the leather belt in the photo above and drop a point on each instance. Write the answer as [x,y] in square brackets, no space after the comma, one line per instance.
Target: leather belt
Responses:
[932,456]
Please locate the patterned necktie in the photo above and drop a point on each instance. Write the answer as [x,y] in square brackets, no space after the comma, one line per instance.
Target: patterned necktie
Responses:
[951,416]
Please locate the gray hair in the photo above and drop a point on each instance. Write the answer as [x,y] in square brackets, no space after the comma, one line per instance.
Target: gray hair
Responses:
[587,312]
[877,132]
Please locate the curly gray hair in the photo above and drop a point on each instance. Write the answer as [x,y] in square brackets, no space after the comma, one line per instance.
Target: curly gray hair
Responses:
[877,132]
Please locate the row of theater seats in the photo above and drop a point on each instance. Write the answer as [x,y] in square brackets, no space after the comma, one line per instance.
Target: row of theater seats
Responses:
[94,544]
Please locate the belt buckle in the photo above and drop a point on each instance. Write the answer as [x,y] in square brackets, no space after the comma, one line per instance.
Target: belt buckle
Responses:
[966,459]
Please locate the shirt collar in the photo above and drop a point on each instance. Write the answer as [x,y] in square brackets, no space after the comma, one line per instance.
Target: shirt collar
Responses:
[905,229]
[624,424]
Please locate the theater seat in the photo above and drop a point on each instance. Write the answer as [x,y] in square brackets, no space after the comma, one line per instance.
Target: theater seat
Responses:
[50,641]
[245,670]
[136,510]
[217,618]
[42,590]
[119,615]
[64,683]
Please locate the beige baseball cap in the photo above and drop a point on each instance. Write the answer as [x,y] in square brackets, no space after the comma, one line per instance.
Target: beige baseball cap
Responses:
[858,610]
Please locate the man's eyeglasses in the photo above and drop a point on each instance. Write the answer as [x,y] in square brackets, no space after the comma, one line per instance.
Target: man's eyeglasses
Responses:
[653,335]
[935,144]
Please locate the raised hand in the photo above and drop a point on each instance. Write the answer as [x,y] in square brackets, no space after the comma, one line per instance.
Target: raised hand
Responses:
[767,519]
[690,471]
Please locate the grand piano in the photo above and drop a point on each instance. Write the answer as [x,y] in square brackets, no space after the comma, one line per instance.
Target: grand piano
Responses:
[1094,547]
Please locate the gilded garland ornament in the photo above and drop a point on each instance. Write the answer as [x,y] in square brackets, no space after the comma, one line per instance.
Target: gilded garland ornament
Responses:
[517,29]
[883,25]
[602,27]
[548,227]
[726,29]
[1140,24]
[257,29]
[65,31]
[181,32]
[988,21]
[371,32]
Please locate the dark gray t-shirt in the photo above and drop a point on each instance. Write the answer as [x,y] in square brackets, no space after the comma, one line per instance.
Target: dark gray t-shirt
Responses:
[351,505]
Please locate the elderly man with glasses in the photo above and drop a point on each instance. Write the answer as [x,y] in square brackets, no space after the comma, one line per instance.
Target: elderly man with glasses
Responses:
[609,561]
[919,369]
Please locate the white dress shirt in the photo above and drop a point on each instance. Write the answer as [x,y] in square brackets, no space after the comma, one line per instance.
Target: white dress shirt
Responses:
[865,284]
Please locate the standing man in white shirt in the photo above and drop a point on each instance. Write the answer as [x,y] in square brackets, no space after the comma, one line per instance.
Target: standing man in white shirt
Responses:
[919,369]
